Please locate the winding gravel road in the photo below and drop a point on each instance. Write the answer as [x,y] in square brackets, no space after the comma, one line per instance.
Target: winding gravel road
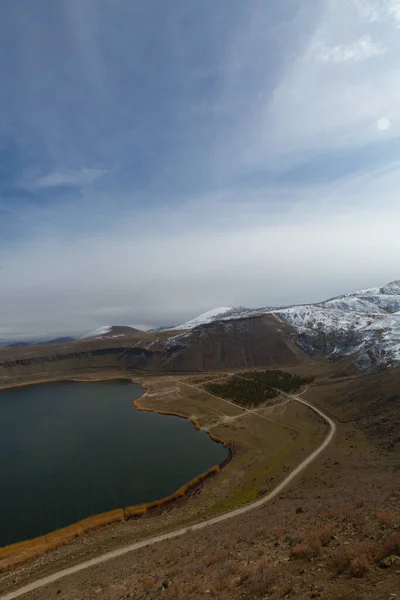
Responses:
[179,532]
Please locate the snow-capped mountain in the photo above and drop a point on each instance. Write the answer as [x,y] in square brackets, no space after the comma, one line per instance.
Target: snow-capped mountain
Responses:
[224,313]
[211,315]
[363,324]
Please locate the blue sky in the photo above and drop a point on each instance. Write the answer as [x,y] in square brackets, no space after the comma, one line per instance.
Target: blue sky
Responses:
[159,158]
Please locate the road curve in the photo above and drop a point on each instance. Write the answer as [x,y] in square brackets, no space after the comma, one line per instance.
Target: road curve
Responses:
[179,532]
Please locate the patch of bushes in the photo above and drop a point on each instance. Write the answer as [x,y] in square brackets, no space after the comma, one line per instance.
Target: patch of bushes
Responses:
[255,387]
[386,517]
[390,547]
[242,391]
[259,578]
[354,560]
[281,380]
[312,541]
[302,551]
[358,559]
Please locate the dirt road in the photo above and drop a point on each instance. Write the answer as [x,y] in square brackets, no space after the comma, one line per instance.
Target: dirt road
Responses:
[179,532]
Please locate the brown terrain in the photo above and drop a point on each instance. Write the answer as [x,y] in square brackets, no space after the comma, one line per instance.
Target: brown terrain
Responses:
[333,533]
[255,342]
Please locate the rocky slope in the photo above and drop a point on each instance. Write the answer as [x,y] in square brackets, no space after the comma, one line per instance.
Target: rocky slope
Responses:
[232,344]
[363,324]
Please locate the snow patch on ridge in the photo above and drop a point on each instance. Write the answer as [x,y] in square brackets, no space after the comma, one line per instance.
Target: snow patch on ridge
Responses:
[365,324]
[98,332]
[207,317]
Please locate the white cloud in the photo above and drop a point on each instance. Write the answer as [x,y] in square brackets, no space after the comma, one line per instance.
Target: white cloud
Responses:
[76,178]
[339,76]
[330,240]
[377,11]
[323,106]
[363,48]
[368,10]
[394,10]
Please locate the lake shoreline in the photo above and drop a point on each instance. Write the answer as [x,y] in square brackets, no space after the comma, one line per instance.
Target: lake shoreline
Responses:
[71,379]
[23,551]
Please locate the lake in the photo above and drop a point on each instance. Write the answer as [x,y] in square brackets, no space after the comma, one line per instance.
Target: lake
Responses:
[71,450]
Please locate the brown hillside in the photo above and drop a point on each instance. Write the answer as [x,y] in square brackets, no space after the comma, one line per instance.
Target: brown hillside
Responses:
[253,342]
[372,401]
[119,330]
[89,356]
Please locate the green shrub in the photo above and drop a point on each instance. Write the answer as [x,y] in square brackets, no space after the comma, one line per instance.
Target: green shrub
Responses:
[255,387]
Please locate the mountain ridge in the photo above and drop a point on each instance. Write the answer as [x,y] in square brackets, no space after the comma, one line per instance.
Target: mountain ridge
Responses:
[111,331]
[365,323]
[362,325]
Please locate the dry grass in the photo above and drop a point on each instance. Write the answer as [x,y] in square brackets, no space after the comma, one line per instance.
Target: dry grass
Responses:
[312,541]
[358,559]
[176,592]
[320,536]
[302,551]
[259,578]
[173,413]
[390,546]
[13,555]
[386,517]
[354,560]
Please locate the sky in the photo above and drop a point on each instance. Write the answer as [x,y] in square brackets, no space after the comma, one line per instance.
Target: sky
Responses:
[159,158]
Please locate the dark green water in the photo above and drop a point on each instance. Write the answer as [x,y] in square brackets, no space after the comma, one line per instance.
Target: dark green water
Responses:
[72,450]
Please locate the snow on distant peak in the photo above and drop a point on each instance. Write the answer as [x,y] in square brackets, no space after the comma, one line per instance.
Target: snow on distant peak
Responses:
[392,288]
[364,292]
[112,331]
[98,332]
[364,324]
[207,317]
[353,304]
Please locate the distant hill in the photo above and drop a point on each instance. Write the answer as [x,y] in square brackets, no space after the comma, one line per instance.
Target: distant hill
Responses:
[60,340]
[111,331]
[363,326]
